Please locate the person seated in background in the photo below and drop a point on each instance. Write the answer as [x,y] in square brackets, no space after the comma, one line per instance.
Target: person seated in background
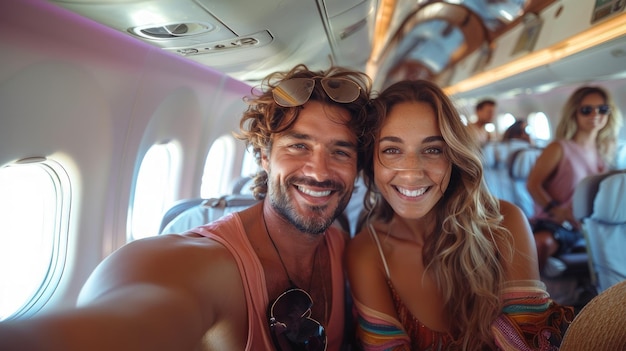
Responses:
[517,132]
[237,283]
[441,263]
[515,137]
[485,113]
[584,145]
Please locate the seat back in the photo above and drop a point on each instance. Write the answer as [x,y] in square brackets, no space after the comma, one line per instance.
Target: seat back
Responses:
[620,156]
[490,154]
[178,208]
[243,185]
[493,169]
[600,324]
[208,211]
[600,204]
[520,163]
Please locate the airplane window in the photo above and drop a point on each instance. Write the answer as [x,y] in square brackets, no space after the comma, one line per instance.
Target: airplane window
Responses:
[154,190]
[249,166]
[34,205]
[539,128]
[490,127]
[216,175]
[504,122]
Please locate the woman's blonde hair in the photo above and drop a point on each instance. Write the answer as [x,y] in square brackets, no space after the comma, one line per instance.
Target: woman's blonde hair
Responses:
[462,253]
[606,141]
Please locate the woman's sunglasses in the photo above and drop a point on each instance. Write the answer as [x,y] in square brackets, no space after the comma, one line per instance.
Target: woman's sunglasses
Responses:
[297,91]
[600,109]
[291,325]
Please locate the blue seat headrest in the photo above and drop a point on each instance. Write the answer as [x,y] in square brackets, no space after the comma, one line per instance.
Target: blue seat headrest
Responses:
[609,205]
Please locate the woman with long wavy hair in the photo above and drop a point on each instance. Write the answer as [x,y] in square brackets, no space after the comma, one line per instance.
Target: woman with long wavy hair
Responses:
[441,264]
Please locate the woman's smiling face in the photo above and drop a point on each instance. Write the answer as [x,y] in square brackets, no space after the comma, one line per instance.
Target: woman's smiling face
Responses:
[411,169]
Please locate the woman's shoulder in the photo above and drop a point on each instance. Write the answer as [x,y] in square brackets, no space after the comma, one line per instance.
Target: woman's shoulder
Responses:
[365,240]
[515,222]
[519,248]
[509,208]
[551,155]
[513,218]
[361,238]
[556,146]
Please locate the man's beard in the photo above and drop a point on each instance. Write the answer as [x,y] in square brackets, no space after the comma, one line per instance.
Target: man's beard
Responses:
[316,224]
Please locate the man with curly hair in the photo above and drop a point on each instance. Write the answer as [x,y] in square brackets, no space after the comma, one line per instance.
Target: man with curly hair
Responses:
[268,277]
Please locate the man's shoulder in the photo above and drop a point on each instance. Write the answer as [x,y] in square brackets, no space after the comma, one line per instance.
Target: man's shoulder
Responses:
[162,259]
[223,226]
[169,245]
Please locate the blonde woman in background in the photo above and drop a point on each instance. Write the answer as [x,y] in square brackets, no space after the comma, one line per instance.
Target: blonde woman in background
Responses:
[584,145]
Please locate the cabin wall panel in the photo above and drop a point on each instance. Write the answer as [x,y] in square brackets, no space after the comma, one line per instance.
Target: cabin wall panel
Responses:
[467,66]
[182,102]
[71,87]
[66,90]
[503,48]
[563,19]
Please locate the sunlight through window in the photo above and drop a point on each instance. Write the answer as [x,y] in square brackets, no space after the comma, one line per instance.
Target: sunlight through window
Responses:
[216,175]
[154,190]
[539,128]
[34,203]
[249,166]
[504,122]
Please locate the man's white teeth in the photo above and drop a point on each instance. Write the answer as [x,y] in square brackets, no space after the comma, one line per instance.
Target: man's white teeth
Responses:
[314,193]
[412,193]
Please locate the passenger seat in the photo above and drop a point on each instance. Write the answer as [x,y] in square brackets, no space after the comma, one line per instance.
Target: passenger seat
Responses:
[190,213]
[620,155]
[493,169]
[178,208]
[520,163]
[208,211]
[600,204]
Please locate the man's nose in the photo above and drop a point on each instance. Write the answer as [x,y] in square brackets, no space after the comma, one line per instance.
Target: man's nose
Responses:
[317,166]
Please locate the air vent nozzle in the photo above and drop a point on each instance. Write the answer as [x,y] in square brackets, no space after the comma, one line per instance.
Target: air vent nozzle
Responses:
[172,30]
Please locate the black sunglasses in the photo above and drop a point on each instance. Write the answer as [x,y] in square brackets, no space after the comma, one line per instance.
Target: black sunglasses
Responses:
[297,91]
[586,110]
[290,323]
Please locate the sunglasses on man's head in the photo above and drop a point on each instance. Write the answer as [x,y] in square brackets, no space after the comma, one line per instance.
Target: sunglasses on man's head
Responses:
[586,110]
[291,325]
[297,91]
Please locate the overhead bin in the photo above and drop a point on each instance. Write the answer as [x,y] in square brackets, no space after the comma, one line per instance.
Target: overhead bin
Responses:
[351,26]
[567,48]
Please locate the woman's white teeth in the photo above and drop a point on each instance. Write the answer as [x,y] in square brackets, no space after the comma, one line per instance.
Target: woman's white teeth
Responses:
[412,193]
[314,193]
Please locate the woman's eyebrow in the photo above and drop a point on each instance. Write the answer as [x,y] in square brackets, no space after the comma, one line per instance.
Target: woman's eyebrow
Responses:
[391,138]
[433,138]
[396,139]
